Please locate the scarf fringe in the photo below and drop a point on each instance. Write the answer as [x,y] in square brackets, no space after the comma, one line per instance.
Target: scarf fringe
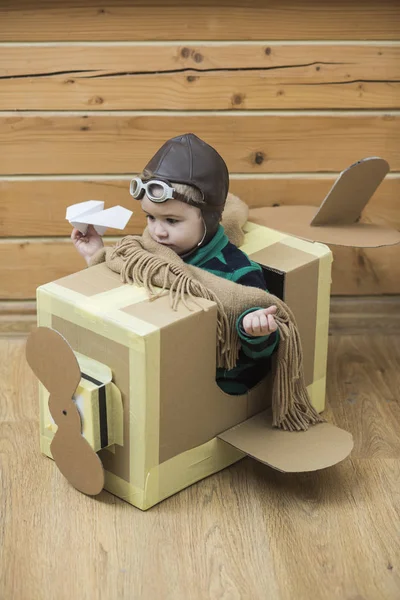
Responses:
[142,268]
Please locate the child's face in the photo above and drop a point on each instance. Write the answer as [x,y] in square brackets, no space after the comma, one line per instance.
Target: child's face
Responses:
[174,224]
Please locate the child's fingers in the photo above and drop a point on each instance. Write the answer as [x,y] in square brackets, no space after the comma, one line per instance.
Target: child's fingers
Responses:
[272,325]
[271,310]
[255,325]
[76,234]
[259,323]
[91,231]
[246,324]
[251,324]
[264,321]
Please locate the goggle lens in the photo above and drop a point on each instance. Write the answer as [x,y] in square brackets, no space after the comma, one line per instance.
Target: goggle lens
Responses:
[155,190]
[135,187]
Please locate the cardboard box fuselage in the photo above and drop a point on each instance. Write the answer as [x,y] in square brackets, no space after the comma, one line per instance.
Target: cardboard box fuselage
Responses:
[164,362]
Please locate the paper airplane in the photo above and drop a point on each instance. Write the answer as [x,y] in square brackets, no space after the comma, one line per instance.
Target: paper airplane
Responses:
[92,212]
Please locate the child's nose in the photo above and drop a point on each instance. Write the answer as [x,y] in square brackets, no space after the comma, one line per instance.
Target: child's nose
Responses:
[160,230]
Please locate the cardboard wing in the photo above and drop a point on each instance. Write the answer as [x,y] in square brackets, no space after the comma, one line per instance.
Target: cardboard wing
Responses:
[337,221]
[321,446]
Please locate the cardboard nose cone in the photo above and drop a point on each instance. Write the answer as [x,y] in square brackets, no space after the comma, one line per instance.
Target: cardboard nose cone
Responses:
[321,446]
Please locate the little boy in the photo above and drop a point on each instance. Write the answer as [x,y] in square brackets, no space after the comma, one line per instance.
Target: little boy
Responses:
[182,191]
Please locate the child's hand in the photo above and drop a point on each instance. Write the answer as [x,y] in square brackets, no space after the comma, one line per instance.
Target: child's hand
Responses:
[260,322]
[88,244]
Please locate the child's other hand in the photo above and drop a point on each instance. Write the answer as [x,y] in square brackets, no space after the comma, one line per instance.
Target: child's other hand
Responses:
[88,244]
[260,322]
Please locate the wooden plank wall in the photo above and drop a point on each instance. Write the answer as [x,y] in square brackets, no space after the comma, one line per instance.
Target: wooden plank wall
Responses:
[289,92]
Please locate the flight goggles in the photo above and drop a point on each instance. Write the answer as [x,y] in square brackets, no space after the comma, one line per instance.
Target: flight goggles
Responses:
[155,189]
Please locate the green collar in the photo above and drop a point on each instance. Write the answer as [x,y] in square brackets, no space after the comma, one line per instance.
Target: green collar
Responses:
[215,245]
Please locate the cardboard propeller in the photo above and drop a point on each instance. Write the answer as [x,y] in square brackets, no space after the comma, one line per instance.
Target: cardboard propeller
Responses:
[337,221]
[54,363]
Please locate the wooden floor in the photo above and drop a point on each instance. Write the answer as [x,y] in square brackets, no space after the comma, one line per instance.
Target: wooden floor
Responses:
[246,533]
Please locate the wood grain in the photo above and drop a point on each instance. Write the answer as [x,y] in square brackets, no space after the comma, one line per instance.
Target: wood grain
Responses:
[17,317]
[25,202]
[18,387]
[98,20]
[64,143]
[366,377]
[247,532]
[26,263]
[366,315]
[364,271]
[36,207]
[199,76]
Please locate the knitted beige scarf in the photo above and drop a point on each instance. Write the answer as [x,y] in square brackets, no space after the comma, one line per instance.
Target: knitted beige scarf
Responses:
[141,260]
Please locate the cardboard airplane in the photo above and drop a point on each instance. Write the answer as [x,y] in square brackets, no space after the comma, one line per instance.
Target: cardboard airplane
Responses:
[127,401]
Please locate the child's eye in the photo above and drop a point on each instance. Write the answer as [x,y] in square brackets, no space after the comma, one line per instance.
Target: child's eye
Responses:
[172,221]
[150,217]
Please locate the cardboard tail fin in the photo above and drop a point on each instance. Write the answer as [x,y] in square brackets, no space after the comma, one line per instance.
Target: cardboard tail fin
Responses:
[338,219]
[351,192]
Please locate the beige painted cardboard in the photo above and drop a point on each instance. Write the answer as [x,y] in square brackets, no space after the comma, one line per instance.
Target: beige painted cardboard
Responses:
[188,362]
[300,273]
[93,283]
[321,446]
[188,391]
[336,222]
